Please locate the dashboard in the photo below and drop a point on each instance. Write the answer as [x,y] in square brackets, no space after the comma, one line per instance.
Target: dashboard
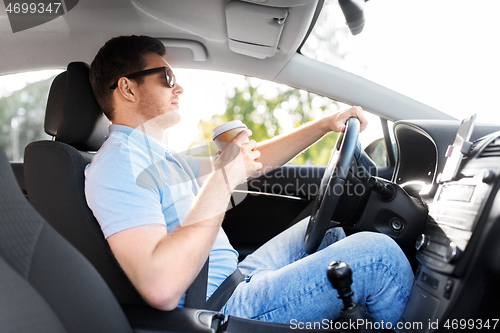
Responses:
[458,252]
[421,149]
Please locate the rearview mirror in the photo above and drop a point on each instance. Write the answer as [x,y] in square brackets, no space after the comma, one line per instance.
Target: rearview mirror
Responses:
[353,12]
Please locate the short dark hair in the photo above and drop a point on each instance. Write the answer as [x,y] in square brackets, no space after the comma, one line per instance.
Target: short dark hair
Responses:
[120,56]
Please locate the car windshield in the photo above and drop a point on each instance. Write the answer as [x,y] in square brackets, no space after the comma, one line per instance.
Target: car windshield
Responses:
[442,53]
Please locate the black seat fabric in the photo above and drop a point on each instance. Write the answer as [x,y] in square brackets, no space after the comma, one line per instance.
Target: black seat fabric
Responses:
[54,173]
[73,115]
[45,284]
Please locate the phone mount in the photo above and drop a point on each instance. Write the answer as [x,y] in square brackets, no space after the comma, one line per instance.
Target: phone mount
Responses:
[461,146]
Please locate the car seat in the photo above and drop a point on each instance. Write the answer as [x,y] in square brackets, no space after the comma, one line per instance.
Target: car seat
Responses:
[54,175]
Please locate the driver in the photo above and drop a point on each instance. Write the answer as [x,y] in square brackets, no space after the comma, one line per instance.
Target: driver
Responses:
[162,221]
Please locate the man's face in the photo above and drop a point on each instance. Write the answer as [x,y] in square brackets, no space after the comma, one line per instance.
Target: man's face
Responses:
[156,101]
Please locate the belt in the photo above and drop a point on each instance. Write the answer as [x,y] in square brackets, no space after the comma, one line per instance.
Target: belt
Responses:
[225,290]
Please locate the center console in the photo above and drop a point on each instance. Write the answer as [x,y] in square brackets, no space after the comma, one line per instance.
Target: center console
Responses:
[452,251]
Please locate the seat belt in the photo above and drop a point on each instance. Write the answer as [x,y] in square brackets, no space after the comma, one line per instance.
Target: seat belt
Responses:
[196,293]
[225,290]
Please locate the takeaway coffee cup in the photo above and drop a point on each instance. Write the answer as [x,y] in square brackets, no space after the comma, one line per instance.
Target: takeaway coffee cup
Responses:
[225,133]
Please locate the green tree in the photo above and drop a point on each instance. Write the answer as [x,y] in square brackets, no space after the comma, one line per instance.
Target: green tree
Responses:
[21,118]
[268,114]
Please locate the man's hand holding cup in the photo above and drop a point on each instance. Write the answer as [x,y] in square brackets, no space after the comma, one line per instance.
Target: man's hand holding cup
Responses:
[236,155]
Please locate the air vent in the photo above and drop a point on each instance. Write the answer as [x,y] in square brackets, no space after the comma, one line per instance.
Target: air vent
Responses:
[492,149]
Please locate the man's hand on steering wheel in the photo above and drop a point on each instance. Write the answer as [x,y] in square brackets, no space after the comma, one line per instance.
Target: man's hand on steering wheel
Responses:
[337,121]
[332,184]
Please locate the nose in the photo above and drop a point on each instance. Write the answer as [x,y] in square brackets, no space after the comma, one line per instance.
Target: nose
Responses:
[177,89]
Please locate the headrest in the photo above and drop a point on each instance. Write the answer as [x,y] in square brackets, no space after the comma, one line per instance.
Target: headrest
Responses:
[73,115]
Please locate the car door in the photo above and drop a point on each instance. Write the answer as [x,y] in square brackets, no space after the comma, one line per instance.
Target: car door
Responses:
[270,204]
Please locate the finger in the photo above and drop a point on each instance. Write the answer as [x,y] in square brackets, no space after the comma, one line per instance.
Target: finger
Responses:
[251,144]
[242,137]
[255,155]
[355,111]
[358,113]
[257,166]
[231,151]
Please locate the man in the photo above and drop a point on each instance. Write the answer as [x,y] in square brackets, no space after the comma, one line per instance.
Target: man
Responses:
[161,225]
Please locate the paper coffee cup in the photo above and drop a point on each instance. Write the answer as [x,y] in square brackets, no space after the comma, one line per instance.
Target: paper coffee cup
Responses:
[225,133]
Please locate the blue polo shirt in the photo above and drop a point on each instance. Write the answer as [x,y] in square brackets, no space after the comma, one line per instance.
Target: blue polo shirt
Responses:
[134,180]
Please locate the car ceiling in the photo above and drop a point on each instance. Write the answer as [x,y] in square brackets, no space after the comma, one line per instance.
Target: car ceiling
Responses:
[78,35]
[196,36]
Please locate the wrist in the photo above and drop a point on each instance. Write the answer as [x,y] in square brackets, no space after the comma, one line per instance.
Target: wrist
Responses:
[326,124]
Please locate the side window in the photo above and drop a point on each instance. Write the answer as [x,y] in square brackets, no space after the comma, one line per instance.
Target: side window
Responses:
[373,141]
[378,152]
[267,108]
[23,98]
[270,109]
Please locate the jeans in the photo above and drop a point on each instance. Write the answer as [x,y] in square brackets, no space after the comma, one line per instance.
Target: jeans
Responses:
[282,283]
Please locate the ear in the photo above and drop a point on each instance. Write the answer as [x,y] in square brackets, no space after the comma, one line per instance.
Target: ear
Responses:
[127,89]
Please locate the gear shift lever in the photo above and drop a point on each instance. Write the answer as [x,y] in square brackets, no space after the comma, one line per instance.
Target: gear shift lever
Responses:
[340,276]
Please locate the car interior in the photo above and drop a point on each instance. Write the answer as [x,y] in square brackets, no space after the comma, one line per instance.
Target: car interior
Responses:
[436,196]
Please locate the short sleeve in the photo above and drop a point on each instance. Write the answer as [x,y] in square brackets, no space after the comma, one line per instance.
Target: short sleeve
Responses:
[195,164]
[114,195]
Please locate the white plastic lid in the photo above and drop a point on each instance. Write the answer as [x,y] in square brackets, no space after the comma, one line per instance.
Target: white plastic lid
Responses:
[226,127]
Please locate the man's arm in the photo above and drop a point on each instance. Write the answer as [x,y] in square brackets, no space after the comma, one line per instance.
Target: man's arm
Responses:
[163,265]
[281,149]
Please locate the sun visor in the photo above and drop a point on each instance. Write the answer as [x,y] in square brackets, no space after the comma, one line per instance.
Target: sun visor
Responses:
[254,30]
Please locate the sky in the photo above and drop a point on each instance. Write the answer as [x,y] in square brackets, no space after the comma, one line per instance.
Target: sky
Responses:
[444,53]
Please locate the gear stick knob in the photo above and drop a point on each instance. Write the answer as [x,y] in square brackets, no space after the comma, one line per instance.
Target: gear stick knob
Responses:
[340,276]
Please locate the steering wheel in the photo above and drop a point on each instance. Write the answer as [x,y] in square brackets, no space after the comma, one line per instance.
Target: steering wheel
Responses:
[332,186]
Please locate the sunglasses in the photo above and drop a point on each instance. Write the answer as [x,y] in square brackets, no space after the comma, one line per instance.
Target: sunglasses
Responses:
[169,76]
